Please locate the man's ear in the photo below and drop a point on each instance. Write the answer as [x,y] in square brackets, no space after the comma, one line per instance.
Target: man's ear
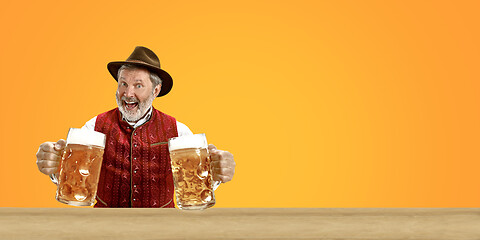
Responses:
[157,89]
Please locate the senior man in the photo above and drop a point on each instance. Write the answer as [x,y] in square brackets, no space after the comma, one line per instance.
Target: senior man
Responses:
[136,169]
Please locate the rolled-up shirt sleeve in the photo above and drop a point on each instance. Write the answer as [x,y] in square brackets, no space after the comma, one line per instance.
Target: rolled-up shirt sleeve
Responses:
[183,130]
[90,125]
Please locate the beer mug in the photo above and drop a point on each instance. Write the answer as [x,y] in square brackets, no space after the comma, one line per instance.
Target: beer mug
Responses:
[80,167]
[192,175]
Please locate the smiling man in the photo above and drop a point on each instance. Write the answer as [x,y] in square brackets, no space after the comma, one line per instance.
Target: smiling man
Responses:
[135,93]
[136,169]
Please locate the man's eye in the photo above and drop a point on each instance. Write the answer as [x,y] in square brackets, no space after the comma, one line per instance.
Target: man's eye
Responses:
[139,86]
[123,84]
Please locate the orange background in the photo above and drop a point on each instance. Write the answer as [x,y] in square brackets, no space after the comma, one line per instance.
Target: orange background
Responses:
[323,103]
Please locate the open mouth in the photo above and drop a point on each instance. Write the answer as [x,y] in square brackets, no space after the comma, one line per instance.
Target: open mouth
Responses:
[130,105]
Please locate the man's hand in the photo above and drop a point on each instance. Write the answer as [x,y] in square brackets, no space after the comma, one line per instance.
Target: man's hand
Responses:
[49,155]
[223,164]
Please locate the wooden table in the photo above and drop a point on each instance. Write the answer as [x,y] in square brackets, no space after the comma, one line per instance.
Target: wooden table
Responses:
[240,223]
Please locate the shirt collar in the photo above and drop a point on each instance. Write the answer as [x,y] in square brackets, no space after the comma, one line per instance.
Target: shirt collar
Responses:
[141,121]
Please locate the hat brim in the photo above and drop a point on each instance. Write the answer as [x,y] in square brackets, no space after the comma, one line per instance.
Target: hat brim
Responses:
[167,82]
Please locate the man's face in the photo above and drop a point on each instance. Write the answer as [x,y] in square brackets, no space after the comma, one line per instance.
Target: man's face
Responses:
[134,93]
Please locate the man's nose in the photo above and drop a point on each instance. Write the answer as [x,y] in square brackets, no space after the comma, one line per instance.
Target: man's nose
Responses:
[129,92]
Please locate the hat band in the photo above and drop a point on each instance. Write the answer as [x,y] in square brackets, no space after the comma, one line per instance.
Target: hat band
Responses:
[139,61]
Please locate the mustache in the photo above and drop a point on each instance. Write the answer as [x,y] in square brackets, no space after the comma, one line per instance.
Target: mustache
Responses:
[129,99]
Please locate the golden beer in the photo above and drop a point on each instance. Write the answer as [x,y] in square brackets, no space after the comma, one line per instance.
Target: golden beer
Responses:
[191,169]
[80,169]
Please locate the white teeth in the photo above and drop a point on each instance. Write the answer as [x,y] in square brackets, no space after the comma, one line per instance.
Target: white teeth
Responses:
[130,102]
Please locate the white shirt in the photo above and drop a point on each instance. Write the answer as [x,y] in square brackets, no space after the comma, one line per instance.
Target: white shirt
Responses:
[182,129]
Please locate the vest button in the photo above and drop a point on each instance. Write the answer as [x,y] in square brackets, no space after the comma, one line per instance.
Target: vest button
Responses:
[135,145]
[134,158]
[135,134]
[135,171]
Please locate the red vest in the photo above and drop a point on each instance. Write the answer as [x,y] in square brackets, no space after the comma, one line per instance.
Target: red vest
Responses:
[136,169]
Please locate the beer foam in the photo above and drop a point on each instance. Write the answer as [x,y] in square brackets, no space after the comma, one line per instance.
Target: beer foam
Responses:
[188,141]
[85,137]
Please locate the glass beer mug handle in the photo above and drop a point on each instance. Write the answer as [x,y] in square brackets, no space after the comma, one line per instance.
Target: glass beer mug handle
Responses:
[54,178]
[216,184]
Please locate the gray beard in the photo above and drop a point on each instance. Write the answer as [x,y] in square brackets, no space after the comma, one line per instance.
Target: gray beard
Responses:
[142,108]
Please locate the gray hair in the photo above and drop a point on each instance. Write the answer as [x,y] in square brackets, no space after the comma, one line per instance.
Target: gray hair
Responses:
[153,76]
